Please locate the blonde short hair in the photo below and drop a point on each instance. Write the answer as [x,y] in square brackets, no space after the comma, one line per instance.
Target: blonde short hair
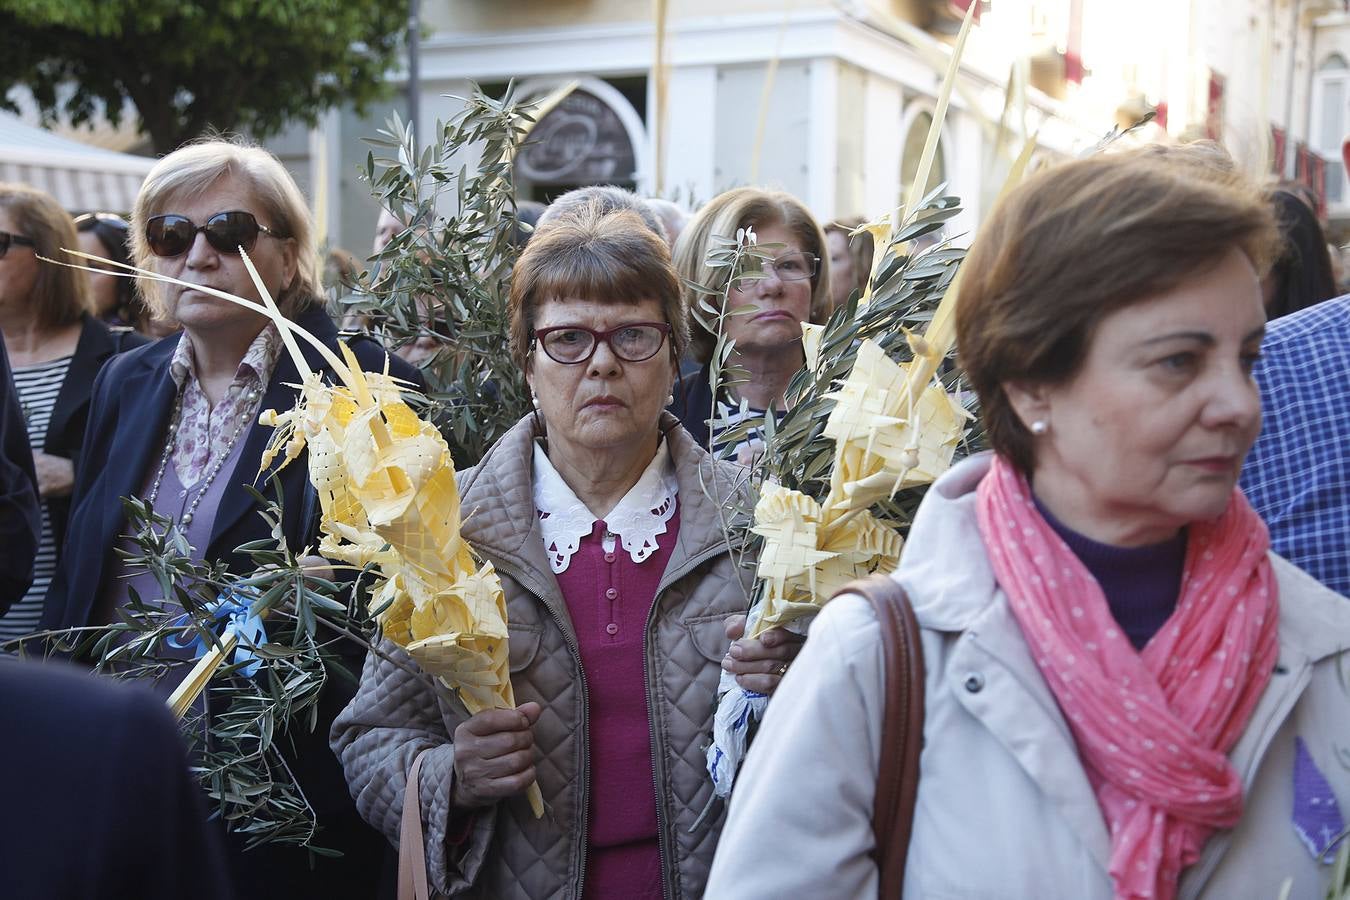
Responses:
[194,169]
[60,294]
[743,208]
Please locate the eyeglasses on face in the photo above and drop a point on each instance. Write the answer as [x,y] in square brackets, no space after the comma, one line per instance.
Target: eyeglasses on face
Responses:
[792,266]
[6,239]
[172,235]
[575,344]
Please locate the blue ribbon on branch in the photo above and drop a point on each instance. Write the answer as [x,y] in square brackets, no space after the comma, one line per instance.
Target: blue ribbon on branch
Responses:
[231,608]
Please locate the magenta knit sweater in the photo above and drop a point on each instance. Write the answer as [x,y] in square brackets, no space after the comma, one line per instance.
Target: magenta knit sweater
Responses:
[609,598]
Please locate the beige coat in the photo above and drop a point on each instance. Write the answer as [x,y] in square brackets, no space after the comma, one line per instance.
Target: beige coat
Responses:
[508,853]
[1004,808]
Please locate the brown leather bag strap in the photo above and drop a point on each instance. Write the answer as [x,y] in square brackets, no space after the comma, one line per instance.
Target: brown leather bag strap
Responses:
[901,728]
[412,851]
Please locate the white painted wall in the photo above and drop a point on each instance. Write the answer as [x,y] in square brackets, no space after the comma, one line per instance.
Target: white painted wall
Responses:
[785,152]
[835,113]
[883,107]
[821,124]
[690,143]
[1329,114]
[852,136]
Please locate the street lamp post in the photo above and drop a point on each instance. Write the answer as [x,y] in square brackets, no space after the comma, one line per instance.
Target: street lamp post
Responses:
[414,81]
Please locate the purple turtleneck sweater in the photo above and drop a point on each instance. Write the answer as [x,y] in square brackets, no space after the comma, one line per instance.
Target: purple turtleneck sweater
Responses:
[1141,583]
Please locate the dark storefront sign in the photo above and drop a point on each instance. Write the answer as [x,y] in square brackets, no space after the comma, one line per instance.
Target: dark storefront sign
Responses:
[581,141]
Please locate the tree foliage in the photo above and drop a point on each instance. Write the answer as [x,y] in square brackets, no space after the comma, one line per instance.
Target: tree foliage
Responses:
[190,67]
[447,275]
[447,267]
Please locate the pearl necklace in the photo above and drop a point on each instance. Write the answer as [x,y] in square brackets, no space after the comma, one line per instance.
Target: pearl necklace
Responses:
[174,422]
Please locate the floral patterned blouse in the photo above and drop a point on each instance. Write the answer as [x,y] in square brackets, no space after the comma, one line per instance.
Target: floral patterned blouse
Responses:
[201,428]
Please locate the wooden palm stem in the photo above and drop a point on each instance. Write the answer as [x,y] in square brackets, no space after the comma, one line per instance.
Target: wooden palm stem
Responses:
[187,693]
[536,799]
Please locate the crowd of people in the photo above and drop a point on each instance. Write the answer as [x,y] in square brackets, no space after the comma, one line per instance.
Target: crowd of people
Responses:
[1133,628]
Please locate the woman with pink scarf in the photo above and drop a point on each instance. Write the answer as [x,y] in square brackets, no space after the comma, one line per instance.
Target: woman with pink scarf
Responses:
[1127,694]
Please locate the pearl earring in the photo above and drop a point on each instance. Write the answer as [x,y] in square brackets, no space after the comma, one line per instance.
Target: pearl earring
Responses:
[534,398]
[1040,426]
[670,398]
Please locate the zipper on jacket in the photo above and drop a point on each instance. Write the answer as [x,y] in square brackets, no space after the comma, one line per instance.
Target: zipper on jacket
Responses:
[585,801]
[670,879]
[658,778]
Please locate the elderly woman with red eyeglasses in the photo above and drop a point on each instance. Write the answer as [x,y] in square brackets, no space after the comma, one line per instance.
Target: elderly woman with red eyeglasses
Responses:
[604,518]
[175,423]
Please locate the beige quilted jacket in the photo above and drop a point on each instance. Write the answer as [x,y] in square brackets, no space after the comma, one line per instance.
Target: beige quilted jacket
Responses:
[506,852]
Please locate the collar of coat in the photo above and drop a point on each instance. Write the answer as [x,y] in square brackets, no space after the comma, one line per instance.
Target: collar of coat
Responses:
[150,390]
[1314,620]
[954,592]
[497,500]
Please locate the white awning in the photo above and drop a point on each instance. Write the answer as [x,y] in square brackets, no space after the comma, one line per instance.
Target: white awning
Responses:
[80,177]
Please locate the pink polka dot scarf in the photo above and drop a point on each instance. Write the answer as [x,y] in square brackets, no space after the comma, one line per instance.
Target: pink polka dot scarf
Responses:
[1153,728]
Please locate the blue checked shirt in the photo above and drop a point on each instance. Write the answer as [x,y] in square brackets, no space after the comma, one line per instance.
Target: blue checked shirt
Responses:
[1298,475]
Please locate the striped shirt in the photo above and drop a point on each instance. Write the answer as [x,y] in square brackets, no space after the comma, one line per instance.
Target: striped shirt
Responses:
[38,387]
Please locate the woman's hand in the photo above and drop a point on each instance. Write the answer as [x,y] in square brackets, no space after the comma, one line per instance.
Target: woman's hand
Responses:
[316,567]
[759,664]
[310,565]
[494,755]
[55,475]
[747,454]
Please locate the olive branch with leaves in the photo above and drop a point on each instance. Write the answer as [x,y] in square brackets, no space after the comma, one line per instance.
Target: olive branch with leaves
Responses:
[446,274]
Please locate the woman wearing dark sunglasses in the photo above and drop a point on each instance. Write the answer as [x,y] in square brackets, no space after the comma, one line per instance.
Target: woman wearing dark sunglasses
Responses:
[57,348]
[604,519]
[176,423]
[792,288]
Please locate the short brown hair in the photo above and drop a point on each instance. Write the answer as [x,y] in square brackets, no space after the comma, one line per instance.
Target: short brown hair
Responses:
[60,294]
[1077,242]
[745,208]
[597,255]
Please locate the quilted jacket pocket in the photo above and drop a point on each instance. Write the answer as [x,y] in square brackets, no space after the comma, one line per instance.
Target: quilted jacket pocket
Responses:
[523,644]
[709,635]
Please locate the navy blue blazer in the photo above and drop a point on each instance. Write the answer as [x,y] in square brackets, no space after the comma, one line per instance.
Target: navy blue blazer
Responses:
[20,516]
[100,804]
[70,413]
[692,403]
[133,399]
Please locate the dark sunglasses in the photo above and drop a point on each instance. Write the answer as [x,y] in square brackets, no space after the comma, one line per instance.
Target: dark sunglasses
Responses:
[6,239]
[226,232]
[575,344]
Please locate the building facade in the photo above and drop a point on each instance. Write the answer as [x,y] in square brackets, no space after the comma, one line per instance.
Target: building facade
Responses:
[831,99]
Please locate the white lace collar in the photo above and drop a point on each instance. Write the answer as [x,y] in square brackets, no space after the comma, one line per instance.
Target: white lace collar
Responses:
[638,519]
